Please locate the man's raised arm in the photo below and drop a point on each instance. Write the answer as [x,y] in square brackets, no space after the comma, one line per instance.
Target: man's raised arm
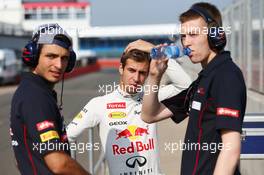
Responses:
[152,109]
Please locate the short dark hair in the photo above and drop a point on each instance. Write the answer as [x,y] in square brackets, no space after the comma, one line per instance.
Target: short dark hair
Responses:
[135,54]
[63,39]
[211,9]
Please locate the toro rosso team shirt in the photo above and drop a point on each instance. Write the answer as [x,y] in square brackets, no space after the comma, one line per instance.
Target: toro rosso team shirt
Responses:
[215,101]
[130,145]
[36,125]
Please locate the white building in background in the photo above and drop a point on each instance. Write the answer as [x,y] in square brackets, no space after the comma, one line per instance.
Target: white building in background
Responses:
[75,18]
[11,12]
[30,13]
[69,14]
[72,15]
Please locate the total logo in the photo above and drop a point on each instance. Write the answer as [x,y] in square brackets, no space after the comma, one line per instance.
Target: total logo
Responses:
[116,105]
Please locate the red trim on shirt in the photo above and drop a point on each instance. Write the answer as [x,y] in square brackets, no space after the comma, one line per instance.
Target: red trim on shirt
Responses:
[28,151]
[199,138]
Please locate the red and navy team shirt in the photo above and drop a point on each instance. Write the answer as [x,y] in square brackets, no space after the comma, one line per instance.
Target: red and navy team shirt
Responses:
[215,101]
[36,125]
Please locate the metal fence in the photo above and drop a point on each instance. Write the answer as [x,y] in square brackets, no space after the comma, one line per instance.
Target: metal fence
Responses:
[96,167]
[245,17]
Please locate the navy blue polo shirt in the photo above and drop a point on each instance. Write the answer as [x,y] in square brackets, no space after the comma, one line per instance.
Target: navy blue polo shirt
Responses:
[36,125]
[213,102]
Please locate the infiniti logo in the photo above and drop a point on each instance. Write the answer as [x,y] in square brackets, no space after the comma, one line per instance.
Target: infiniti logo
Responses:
[132,161]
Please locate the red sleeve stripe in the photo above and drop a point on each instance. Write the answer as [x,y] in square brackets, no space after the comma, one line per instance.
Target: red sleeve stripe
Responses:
[29,153]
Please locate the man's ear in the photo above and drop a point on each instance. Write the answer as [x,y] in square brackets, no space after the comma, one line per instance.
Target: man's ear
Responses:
[121,70]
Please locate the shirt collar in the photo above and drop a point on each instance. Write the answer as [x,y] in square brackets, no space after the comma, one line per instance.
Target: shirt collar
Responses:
[215,62]
[40,82]
[127,95]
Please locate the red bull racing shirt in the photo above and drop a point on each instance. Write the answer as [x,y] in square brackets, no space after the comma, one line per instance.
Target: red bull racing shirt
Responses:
[130,145]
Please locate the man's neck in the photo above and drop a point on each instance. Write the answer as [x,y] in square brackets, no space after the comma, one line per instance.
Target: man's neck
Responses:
[50,84]
[206,61]
[123,88]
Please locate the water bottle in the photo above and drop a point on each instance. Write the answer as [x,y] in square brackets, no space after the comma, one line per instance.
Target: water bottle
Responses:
[171,51]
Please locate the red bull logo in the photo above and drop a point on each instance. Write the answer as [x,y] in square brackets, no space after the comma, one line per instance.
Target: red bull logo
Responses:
[133,147]
[125,134]
[132,133]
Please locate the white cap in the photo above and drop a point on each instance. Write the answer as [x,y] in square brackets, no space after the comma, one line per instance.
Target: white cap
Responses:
[48,32]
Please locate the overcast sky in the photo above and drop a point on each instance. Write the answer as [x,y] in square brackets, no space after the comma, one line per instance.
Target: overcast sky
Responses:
[133,12]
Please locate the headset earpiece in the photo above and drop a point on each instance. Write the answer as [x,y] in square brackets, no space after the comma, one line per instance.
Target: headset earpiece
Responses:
[71,62]
[216,35]
[30,54]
